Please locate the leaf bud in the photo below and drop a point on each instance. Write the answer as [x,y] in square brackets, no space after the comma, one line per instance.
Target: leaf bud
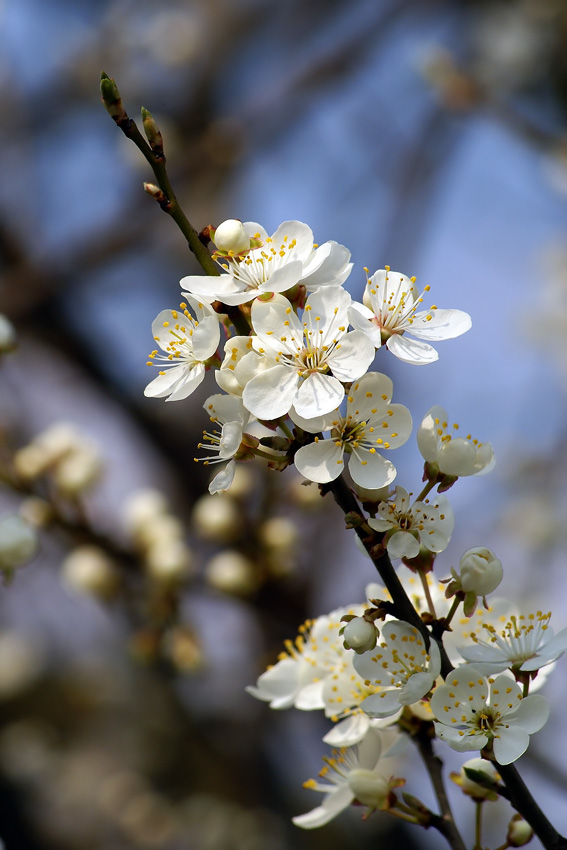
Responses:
[111,99]
[152,132]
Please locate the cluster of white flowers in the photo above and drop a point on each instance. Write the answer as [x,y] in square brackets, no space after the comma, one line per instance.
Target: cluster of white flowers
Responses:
[297,389]
[299,359]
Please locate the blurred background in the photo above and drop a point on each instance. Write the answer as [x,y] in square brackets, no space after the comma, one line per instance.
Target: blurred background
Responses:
[424,134]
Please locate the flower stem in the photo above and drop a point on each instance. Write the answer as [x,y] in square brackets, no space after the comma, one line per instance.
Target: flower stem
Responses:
[452,610]
[426,490]
[478,826]
[427,592]
[402,606]
[444,822]
[524,803]
[156,160]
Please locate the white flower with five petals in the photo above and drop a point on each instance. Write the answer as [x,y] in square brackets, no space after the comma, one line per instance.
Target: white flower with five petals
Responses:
[272,264]
[390,311]
[371,426]
[401,666]
[309,357]
[407,526]
[188,343]
[472,714]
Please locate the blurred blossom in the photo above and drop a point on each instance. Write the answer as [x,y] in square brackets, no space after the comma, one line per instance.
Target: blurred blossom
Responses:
[89,570]
[231,572]
[217,518]
[18,542]
[20,664]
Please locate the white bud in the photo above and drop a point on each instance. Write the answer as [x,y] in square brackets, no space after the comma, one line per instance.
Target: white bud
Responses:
[30,461]
[89,570]
[217,518]
[142,506]
[360,635]
[158,529]
[472,788]
[278,533]
[169,561]
[519,832]
[8,339]
[78,471]
[232,572]
[18,542]
[230,236]
[481,571]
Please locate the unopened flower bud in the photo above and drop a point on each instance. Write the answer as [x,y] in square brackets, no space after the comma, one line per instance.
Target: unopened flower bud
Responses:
[484,773]
[230,237]
[18,542]
[231,572]
[169,561]
[359,634]
[141,507]
[78,471]
[278,533]
[8,340]
[217,518]
[519,832]
[481,571]
[89,570]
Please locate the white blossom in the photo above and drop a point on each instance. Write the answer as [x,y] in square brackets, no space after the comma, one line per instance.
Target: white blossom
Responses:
[303,353]
[188,343]
[297,678]
[407,527]
[269,263]
[370,426]
[352,774]
[233,417]
[471,714]
[453,454]
[400,666]
[391,310]
[525,643]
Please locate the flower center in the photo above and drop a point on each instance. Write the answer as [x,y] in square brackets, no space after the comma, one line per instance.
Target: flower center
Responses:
[255,267]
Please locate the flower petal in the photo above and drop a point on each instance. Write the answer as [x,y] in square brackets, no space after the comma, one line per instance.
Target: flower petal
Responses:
[371,470]
[318,394]
[320,462]
[270,394]
[332,805]
[352,357]
[510,744]
[411,351]
[440,324]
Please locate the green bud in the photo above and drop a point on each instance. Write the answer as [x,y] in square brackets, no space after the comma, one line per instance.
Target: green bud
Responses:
[152,132]
[111,98]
